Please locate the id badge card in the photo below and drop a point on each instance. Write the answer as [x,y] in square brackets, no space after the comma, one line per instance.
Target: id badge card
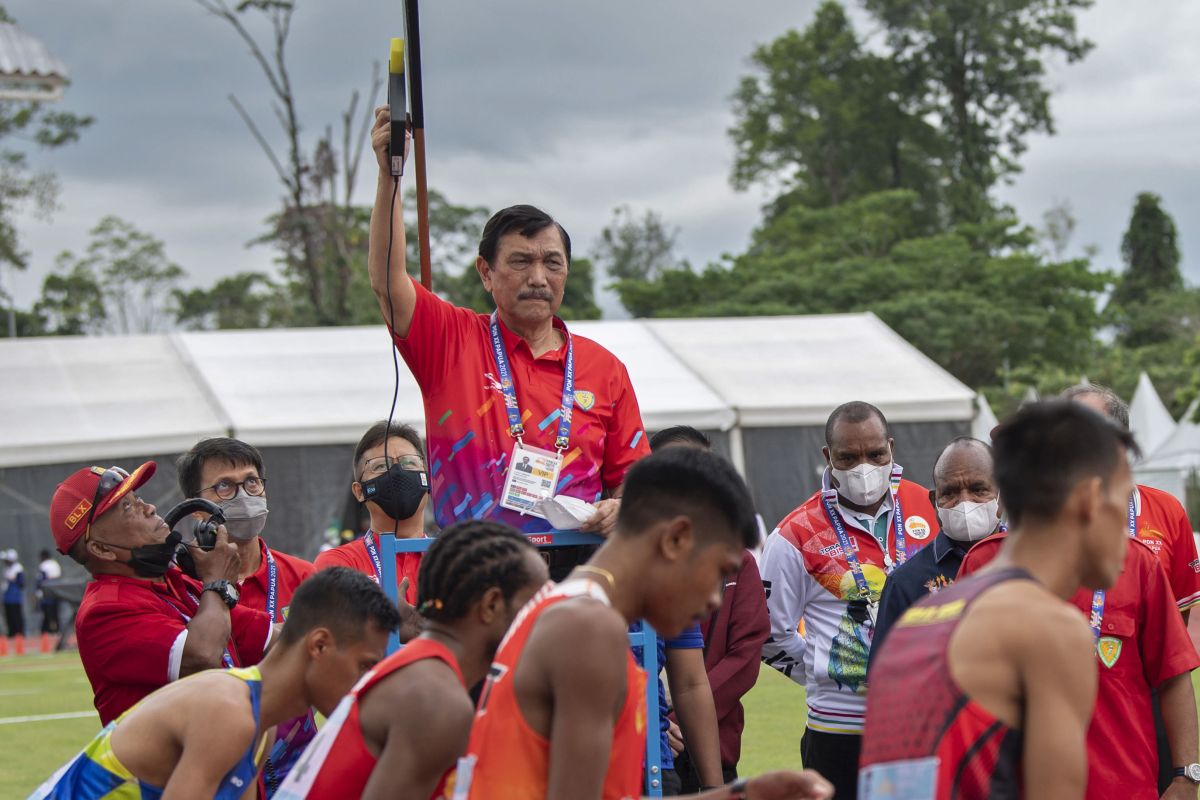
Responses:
[532,476]
[913,779]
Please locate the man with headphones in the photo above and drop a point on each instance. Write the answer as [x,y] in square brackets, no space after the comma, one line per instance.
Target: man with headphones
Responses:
[142,622]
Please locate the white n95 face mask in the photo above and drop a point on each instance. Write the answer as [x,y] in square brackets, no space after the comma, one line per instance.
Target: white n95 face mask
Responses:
[864,484]
[970,522]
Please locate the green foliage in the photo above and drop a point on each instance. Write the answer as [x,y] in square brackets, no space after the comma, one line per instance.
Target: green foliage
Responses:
[978,68]
[244,300]
[454,233]
[826,121]
[123,283]
[973,299]
[630,248]
[1151,258]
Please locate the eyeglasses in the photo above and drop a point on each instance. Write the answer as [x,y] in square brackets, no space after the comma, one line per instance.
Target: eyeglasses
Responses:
[377,466]
[111,479]
[227,489]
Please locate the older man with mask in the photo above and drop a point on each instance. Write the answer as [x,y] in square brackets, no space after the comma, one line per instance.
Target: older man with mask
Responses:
[508,386]
[826,564]
[143,623]
[968,509]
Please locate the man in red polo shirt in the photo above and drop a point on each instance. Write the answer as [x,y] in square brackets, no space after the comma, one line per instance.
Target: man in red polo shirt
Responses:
[230,473]
[1141,644]
[1162,521]
[142,622]
[513,385]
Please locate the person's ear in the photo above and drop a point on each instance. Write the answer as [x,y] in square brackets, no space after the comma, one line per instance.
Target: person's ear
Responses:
[492,605]
[318,642]
[677,538]
[1084,501]
[825,452]
[357,490]
[100,551]
[892,446]
[933,498]
[485,273]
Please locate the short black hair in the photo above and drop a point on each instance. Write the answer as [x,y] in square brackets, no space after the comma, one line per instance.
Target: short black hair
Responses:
[467,559]
[853,412]
[685,481]
[1046,448]
[375,436]
[44,555]
[680,434]
[342,600]
[232,451]
[525,220]
[1116,408]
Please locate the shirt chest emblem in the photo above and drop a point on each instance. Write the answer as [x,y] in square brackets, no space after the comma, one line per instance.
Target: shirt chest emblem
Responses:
[585,399]
[1109,650]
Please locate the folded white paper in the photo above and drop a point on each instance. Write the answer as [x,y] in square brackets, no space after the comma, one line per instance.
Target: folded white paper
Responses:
[565,513]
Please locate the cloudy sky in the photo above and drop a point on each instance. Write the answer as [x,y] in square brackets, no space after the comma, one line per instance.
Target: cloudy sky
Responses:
[576,107]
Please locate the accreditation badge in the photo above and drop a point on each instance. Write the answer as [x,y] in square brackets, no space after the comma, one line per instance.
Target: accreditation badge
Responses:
[532,476]
[912,779]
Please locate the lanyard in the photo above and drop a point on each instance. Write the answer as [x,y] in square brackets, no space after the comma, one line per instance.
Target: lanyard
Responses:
[272,582]
[226,659]
[515,428]
[1098,595]
[829,502]
[373,552]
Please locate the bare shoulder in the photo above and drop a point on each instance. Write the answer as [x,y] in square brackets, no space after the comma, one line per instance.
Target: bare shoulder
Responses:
[428,690]
[1032,619]
[581,620]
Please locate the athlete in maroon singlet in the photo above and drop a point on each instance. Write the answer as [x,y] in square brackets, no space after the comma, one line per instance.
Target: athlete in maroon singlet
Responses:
[984,691]
[946,739]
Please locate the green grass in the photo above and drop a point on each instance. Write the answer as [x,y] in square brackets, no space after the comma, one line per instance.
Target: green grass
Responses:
[36,685]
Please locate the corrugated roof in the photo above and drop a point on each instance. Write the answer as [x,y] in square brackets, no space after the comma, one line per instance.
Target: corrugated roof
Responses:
[22,55]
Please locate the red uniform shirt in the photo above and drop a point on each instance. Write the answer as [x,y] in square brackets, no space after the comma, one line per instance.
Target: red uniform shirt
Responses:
[338,763]
[356,556]
[1143,642]
[1163,525]
[290,572]
[449,352]
[511,760]
[128,629]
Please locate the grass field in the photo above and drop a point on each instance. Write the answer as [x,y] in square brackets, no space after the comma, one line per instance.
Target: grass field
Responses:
[44,686]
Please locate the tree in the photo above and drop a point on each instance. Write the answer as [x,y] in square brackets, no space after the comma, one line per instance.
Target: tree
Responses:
[123,283]
[1150,253]
[636,249]
[454,233]
[244,300]
[826,121]
[978,69]
[317,229]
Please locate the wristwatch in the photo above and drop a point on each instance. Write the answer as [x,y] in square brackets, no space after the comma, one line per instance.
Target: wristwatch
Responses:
[1191,772]
[739,789]
[225,590]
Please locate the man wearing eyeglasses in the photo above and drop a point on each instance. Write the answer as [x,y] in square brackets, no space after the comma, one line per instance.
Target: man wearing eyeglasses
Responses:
[513,385]
[142,622]
[229,472]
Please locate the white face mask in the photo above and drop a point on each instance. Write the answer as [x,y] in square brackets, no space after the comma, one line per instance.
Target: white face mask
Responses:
[864,484]
[970,522]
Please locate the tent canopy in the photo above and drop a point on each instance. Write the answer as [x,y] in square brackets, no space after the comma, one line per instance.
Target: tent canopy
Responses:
[1149,419]
[77,398]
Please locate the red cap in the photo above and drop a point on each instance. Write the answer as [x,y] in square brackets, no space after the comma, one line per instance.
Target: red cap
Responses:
[72,502]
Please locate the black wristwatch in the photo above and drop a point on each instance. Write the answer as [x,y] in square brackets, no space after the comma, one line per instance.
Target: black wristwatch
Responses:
[225,590]
[739,789]
[1191,772]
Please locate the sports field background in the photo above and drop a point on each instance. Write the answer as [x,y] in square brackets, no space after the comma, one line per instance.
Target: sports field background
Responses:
[47,686]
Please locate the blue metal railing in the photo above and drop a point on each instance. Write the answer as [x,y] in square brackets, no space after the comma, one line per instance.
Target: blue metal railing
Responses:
[647,639]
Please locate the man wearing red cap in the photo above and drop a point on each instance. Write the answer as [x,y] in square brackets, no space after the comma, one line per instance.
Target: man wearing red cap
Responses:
[142,622]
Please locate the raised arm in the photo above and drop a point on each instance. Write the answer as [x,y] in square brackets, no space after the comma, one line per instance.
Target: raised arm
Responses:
[208,631]
[1058,673]
[388,193]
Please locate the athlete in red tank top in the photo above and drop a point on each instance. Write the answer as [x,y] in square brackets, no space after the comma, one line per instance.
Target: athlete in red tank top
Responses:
[338,762]
[945,745]
[403,727]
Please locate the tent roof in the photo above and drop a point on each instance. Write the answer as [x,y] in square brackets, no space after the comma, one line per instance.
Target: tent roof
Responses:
[74,398]
[22,55]
[1181,449]
[1149,419]
[985,420]
[118,396]
[780,371]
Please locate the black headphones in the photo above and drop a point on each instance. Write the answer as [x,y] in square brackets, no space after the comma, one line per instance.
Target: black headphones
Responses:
[205,532]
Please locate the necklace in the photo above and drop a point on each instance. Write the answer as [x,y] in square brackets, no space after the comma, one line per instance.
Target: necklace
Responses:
[603,573]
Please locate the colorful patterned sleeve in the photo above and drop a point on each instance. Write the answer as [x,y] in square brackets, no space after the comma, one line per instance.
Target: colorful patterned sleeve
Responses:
[626,441]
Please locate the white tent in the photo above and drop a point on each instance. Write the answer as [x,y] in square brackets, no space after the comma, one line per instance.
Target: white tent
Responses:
[1176,460]
[985,420]
[1149,419]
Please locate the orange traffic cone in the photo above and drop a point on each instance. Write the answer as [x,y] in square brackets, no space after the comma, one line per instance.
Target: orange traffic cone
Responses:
[45,642]
[19,644]
[3,646]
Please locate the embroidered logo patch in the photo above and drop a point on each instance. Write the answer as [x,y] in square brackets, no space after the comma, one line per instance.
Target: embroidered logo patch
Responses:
[917,528]
[584,399]
[1109,650]
[80,511]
